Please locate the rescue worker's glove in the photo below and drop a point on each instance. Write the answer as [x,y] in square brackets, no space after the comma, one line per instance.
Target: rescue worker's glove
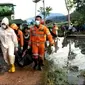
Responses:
[16,47]
[52,48]
[28,47]
[21,48]
[47,43]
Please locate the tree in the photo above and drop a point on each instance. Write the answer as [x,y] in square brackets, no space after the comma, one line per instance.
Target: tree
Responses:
[6,9]
[77,18]
[69,5]
[46,12]
[80,7]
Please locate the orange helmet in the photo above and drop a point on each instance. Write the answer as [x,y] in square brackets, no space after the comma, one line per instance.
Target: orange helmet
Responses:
[14,26]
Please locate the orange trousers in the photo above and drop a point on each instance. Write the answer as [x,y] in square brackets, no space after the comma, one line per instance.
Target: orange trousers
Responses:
[38,50]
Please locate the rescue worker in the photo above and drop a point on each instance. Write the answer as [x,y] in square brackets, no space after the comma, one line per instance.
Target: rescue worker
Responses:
[9,41]
[55,35]
[38,35]
[19,34]
[55,30]
[26,34]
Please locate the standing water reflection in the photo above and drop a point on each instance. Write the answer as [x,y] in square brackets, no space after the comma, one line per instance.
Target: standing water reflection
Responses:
[71,54]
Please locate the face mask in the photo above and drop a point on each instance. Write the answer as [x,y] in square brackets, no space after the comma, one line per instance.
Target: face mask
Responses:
[4,26]
[37,23]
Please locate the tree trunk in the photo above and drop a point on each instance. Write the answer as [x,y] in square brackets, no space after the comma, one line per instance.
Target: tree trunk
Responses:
[68,12]
[44,11]
[68,17]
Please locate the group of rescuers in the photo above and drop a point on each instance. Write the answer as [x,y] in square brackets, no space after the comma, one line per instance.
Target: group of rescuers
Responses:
[12,38]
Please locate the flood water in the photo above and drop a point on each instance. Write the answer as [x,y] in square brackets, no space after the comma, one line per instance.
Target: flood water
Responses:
[70,55]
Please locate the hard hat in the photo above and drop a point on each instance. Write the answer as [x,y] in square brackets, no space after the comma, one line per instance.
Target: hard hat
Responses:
[5,20]
[14,26]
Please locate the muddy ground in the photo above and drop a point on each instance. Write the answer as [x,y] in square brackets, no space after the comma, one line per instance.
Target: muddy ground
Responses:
[22,76]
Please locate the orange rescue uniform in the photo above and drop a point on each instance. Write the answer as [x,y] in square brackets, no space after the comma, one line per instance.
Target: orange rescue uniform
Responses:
[19,34]
[38,39]
[20,38]
[54,30]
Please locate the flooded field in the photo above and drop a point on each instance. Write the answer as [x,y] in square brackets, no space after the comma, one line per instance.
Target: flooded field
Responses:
[68,62]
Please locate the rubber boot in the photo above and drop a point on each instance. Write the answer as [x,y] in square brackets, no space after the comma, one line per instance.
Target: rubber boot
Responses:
[40,64]
[35,64]
[39,67]
[12,69]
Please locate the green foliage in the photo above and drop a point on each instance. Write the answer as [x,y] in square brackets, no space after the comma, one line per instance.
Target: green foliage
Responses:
[79,15]
[77,18]
[6,10]
[80,5]
[69,4]
[54,77]
[50,27]
[46,11]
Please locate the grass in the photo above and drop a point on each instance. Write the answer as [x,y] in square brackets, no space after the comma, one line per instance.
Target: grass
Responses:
[53,77]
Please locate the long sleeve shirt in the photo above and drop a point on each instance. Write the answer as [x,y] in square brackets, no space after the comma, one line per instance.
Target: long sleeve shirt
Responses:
[8,37]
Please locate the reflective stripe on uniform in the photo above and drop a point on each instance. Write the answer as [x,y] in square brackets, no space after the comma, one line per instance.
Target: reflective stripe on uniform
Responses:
[42,35]
[48,33]
[35,54]
[38,42]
